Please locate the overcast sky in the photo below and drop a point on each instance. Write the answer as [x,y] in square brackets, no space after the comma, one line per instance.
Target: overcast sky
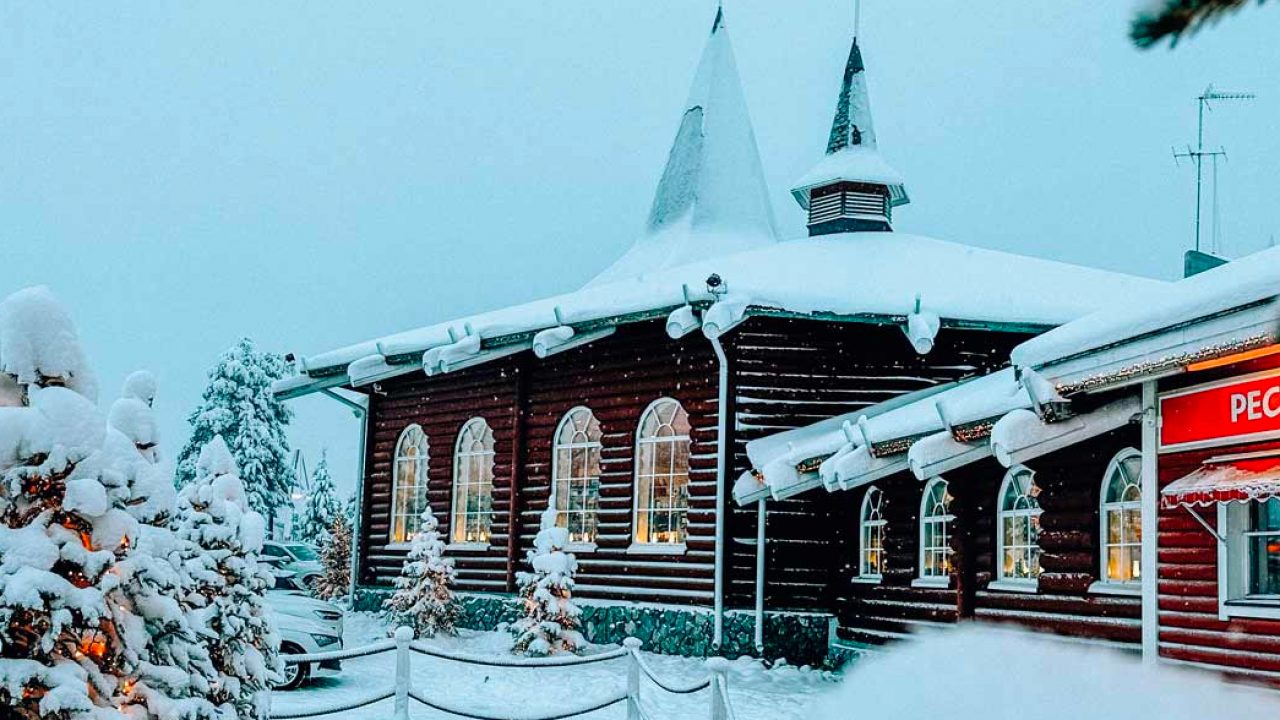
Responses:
[313,174]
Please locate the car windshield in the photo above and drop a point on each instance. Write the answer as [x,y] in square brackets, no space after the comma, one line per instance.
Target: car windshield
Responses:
[303,552]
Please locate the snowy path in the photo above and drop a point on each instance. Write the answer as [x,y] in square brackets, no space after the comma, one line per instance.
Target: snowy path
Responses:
[782,693]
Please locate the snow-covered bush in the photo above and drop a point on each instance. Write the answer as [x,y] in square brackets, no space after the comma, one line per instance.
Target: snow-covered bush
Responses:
[223,537]
[239,406]
[322,506]
[424,597]
[551,620]
[335,558]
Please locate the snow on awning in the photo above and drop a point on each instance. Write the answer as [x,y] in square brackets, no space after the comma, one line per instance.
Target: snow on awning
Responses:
[1022,435]
[941,453]
[1225,479]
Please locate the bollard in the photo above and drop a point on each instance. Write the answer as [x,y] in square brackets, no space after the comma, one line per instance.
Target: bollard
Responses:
[403,636]
[719,668]
[633,678]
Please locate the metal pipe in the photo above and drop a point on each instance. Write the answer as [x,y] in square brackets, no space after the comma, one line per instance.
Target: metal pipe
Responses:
[760,561]
[1150,508]
[361,411]
[722,462]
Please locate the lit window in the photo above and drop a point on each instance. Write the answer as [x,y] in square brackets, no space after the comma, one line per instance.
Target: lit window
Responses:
[473,483]
[662,474]
[408,484]
[576,469]
[935,530]
[1019,536]
[1121,515]
[871,531]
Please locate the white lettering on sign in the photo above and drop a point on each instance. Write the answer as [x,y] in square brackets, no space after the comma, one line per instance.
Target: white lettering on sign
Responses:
[1256,404]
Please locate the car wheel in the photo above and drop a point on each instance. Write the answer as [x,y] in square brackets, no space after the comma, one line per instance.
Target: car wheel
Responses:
[310,580]
[294,674]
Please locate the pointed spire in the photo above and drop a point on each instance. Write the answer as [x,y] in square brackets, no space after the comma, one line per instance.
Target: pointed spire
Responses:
[712,198]
[853,174]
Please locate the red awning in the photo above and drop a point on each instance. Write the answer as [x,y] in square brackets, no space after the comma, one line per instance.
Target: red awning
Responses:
[1222,480]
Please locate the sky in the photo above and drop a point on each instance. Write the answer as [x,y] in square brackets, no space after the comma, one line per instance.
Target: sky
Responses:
[312,174]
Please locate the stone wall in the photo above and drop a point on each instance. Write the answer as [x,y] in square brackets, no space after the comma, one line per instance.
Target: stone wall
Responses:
[800,638]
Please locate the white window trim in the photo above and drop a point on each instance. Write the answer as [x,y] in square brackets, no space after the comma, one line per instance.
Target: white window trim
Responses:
[457,454]
[931,580]
[867,579]
[862,526]
[636,542]
[1001,582]
[1244,607]
[1105,586]
[467,546]
[422,477]
[556,446]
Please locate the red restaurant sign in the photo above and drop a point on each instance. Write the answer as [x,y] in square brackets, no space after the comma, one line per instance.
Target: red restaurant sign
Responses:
[1241,409]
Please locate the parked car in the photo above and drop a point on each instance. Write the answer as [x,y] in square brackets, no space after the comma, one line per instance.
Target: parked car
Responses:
[306,625]
[296,557]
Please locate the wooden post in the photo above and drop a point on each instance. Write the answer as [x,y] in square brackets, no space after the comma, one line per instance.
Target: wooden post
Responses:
[517,469]
[404,636]
[633,678]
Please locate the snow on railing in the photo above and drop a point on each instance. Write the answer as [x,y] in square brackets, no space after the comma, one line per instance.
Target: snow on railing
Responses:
[403,645]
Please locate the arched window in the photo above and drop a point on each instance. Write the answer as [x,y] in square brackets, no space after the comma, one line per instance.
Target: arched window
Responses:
[576,470]
[1019,529]
[473,483]
[935,531]
[408,484]
[871,534]
[662,475]
[1121,515]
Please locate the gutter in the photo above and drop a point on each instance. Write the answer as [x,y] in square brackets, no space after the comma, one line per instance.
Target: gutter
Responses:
[361,411]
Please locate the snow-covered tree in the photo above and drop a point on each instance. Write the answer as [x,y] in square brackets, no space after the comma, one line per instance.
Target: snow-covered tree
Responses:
[335,557]
[322,505]
[215,519]
[551,620]
[238,405]
[424,597]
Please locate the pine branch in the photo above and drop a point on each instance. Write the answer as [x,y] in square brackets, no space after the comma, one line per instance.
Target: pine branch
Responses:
[1174,18]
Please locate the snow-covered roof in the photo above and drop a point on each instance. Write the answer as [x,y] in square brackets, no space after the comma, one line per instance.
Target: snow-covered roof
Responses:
[712,198]
[872,275]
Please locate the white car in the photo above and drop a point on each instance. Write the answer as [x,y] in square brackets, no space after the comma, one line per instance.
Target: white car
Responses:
[306,625]
[294,557]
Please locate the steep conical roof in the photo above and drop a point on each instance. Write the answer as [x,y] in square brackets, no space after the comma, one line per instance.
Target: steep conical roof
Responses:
[712,198]
[852,154]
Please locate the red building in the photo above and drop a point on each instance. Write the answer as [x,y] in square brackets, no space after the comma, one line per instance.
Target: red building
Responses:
[628,404]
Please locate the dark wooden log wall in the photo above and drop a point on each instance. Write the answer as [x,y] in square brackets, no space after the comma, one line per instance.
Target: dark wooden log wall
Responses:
[791,373]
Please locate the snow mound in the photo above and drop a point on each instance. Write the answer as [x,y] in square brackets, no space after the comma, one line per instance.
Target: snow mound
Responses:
[38,341]
[140,385]
[988,674]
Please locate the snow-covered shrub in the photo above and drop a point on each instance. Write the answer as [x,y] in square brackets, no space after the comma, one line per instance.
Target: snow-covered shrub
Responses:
[223,537]
[322,506]
[551,620]
[335,558]
[239,406]
[424,597]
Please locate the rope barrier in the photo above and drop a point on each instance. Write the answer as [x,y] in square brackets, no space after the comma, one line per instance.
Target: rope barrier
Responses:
[480,716]
[374,649]
[673,689]
[292,714]
[553,661]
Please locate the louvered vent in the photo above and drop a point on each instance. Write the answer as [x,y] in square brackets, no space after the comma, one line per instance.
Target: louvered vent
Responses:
[848,204]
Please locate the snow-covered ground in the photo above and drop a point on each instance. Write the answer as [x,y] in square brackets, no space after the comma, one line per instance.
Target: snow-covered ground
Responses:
[780,693]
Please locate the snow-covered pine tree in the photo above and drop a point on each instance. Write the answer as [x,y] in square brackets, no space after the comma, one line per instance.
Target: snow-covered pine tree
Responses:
[335,557]
[239,406]
[226,534]
[551,620]
[322,505]
[424,595]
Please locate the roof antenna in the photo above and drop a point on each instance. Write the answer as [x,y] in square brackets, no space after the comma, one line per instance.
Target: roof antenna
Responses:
[857,16]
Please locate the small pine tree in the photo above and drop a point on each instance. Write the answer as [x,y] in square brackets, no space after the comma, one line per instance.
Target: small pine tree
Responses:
[322,505]
[215,520]
[335,556]
[239,406]
[551,620]
[424,597]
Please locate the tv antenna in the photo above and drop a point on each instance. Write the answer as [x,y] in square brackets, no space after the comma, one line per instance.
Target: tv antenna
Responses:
[1198,155]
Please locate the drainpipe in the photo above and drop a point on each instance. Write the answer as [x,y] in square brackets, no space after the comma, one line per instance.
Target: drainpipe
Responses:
[360,411]
[760,558]
[722,461]
[1150,529]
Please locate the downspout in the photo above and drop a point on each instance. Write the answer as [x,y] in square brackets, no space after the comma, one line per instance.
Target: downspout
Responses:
[1150,526]
[722,461]
[517,467]
[760,558]
[360,411]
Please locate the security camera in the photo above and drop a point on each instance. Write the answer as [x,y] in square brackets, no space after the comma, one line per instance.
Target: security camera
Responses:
[715,284]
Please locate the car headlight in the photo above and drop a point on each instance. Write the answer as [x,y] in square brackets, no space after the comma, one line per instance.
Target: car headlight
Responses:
[329,615]
[324,640]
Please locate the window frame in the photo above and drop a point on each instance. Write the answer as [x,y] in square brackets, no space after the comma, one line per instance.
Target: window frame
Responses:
[1233,566]
[945,520]
[864,525]
[1002,582]
[647,547]
[556,446]
[459,455]
[421,484]
[1104,583]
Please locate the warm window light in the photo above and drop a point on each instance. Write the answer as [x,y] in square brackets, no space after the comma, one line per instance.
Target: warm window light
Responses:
[1239,357]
